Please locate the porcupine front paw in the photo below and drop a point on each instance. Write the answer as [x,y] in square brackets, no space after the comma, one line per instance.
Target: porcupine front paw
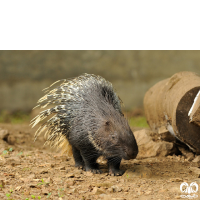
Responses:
[94,168]
[78,158]
[90,159]
[79,165]
[113,165]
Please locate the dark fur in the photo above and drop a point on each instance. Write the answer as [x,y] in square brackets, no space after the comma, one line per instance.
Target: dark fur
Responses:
[93,123]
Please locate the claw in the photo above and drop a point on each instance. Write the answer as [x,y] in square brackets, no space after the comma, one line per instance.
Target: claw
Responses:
[115,172]
[79,165]
[96,171]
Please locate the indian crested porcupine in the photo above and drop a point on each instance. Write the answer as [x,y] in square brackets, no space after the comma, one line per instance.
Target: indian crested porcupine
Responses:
[88,117]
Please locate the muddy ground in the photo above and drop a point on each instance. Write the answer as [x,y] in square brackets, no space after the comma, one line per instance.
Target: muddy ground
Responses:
[29,170]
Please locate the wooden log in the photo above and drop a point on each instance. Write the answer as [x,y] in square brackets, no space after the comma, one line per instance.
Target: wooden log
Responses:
[169,103]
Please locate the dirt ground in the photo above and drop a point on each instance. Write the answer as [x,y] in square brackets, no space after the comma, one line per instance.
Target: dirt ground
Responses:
[28,170]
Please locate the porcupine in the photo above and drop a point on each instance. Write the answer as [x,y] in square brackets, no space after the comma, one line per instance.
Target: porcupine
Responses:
[88,117]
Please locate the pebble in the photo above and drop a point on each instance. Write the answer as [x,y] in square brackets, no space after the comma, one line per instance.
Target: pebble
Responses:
[116,188]
[197,159]
[48,180]
[43,171]
[45,191]
[70,175]
[196,170]
[3,134]
[62,168]
[176,180]
[18,188]
[71,191]
[97,191]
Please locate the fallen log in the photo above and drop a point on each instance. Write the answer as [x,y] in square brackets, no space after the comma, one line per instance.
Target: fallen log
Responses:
[174,104]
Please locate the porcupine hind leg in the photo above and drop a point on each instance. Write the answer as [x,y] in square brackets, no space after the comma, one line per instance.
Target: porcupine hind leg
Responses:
[113,165]
[90,158]
[77,158]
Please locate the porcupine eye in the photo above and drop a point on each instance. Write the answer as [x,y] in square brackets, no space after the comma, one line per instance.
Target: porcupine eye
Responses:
[110,132]
[107,123]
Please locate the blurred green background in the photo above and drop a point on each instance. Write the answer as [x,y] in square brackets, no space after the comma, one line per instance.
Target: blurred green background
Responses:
[23,75]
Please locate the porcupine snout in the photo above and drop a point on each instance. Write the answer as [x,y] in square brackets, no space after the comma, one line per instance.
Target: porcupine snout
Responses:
[131,147]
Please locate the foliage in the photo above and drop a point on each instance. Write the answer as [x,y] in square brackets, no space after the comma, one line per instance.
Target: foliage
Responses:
[15,117]
[138,121]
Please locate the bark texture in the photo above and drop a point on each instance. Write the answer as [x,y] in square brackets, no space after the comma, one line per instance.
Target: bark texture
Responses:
[168,103]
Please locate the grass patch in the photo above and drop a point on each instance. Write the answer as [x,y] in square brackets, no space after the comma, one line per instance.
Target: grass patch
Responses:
[138,121]
[17,117]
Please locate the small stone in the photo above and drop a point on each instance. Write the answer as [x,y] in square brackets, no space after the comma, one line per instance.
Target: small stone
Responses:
[71,191]
[62,168]
[148,192]
[33,185]
[25,180]
[165,134]
[11,139]
[190,156]
[36,180]
[70,175]
[195,170]
[70,183]
[97,191]
[187,154]
[45,191]
[52,165]
[116,188]
[176,180]
[48,180]
[3,134]
[150,148]
[43,171]
[18,188]
[197,159]
[110,190]
[178,158]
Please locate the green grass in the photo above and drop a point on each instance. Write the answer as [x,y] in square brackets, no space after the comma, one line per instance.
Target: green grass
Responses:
[14,118]
[139,121]
[24,117]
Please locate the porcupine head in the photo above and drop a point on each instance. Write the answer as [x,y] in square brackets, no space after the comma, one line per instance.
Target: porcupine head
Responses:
[88,118]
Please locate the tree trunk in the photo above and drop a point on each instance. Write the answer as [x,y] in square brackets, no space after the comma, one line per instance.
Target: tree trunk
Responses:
[174,104]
